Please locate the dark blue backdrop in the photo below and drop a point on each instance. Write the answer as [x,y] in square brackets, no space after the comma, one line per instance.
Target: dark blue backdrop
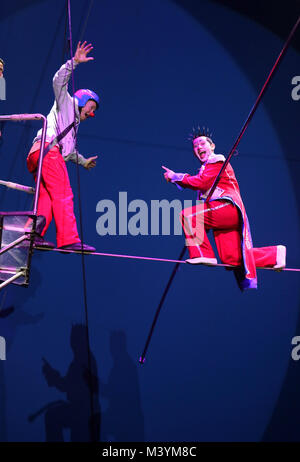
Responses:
[219,367]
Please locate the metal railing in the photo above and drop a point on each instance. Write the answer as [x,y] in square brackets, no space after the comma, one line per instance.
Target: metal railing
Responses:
[23,271]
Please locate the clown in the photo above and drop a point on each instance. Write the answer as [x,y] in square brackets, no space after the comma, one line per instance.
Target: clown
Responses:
[225,214]
[56,196]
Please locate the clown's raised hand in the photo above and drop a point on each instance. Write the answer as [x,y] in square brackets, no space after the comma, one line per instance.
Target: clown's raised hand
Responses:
[81,53]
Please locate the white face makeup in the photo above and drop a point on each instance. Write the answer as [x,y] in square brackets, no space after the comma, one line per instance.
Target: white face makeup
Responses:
[202,148]
[89,108]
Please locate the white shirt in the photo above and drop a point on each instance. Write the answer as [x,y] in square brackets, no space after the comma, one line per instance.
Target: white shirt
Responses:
[62,115]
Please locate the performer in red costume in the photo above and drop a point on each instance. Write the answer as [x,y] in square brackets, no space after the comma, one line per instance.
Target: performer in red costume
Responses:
[56,196]
[225,214]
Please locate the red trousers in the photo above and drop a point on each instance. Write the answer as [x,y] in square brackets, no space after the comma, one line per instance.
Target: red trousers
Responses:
[225,221]
[56,196]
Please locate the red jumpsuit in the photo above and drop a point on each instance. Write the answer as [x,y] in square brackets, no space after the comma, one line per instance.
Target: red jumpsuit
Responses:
[225,214]
[56,196]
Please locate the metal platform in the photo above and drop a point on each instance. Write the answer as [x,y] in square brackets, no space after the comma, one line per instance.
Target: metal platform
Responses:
[17,229]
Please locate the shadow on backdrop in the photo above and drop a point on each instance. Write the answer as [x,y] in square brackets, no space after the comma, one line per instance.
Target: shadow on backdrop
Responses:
[123,420]
[74,413]
[12,316]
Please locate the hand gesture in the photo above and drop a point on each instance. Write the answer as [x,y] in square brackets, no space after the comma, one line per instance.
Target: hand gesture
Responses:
[168,174]
[90,162]
[82,51]
[50,374]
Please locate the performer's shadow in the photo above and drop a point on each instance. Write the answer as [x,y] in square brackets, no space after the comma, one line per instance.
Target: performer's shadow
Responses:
[123,419]
[80,412]
[12,317]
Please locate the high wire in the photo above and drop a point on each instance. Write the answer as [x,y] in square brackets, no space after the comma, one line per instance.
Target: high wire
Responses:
[166,260]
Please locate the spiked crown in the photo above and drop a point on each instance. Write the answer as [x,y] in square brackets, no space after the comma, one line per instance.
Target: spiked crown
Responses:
[197,132]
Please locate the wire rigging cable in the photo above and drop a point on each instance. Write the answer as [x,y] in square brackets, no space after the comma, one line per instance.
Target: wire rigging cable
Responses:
[90,373]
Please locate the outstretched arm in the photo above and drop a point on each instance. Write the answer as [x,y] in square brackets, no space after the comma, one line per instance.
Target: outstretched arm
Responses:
[172,176]
[86,163]
[53,377]
[62,76]
[201,182]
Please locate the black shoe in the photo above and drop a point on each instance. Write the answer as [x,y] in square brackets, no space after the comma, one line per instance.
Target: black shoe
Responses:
[78,247]
[44,245]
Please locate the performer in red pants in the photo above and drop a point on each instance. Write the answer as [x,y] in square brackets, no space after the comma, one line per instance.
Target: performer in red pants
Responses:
[56,196]
[225,214]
